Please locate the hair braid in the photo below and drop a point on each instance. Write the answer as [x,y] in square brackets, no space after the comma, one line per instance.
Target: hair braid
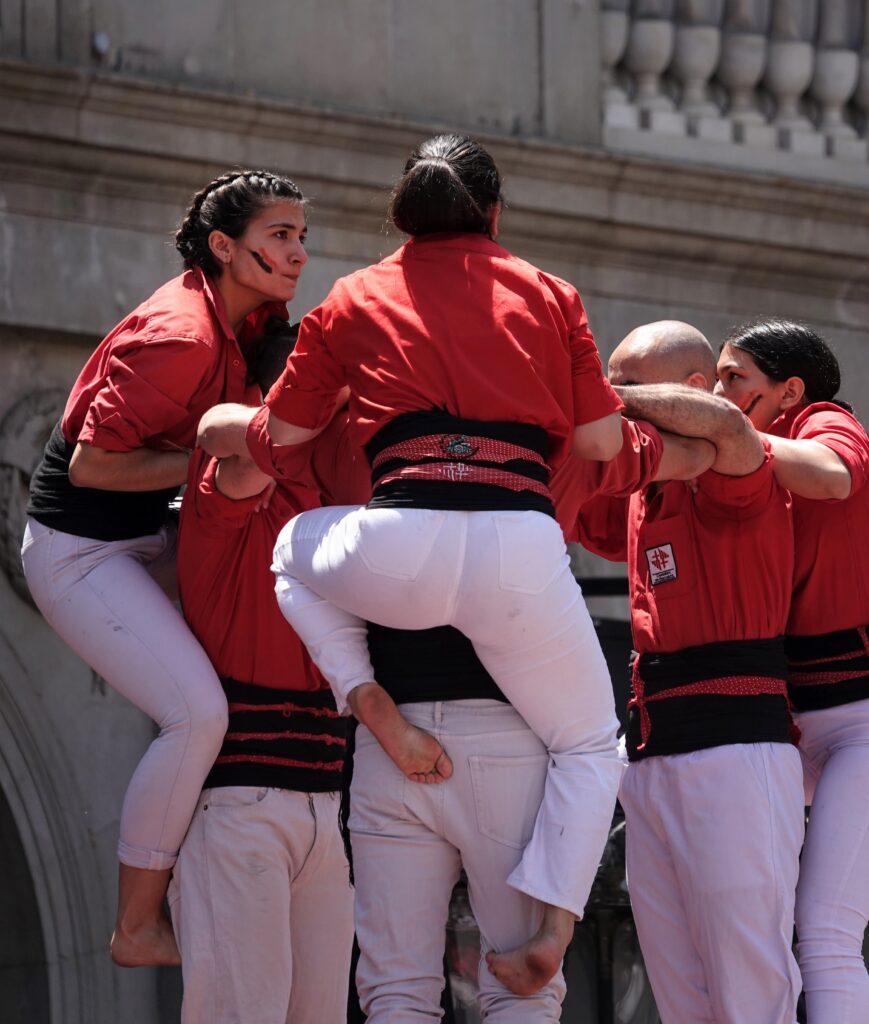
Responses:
[227,204]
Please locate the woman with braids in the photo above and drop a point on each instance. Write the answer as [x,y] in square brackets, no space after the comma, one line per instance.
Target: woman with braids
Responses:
[472,374]
[98,505]
[785,378]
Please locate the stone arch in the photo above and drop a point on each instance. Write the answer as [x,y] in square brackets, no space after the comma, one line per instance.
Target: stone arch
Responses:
[66,889]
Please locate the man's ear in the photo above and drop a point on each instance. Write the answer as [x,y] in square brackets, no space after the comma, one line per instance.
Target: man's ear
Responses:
[222,247]
[697,380]
[793,394]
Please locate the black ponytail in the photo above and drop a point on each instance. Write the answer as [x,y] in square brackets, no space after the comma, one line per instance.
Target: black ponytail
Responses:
[450,184]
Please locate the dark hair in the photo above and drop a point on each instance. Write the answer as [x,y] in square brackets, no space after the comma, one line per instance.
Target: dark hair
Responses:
[266,356]
[227,204]
[450,183]
[787,348]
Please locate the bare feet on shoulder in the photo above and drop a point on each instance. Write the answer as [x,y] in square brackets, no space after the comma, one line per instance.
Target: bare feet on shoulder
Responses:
[526,969]
[416,752]
[150,945]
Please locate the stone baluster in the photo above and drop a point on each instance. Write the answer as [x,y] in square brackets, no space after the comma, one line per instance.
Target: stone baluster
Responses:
[789,71]
[696,55]
[650,48]
[615,24]
[861,95]
[744,49]
[837,70]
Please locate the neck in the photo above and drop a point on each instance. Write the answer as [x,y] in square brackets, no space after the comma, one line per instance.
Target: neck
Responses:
[237,301]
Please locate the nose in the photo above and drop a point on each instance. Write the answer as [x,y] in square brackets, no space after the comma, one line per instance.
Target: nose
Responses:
[299,256]
[718,389]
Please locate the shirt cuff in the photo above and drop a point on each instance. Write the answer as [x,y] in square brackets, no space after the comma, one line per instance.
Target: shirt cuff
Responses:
[281,461]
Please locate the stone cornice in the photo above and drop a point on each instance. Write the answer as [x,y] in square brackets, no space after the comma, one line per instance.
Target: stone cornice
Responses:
[139,141]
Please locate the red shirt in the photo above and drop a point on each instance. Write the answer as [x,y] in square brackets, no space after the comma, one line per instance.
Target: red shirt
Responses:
[576,481]
[224,564]
[831,572]
[151,379]
[452,322]
[226,584]
[706,567]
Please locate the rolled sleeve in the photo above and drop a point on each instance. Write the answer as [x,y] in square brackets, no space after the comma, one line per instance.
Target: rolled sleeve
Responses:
[148,391]
[593,395]
[281,461]
[839,431]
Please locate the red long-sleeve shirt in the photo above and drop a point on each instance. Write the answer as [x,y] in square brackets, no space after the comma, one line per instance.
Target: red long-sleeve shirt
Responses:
[451,322]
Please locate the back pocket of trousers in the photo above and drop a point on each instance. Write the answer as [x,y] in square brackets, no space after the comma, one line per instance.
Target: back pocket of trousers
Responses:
[507,795]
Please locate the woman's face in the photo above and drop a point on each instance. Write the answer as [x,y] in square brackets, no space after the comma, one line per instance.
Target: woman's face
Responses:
[267,258]
[742,381]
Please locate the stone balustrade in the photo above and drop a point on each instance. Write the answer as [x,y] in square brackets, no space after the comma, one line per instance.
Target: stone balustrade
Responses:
[779,85]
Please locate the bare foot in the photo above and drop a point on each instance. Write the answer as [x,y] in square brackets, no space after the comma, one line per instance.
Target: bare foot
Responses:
[526,969]
[417,753]
[151,945]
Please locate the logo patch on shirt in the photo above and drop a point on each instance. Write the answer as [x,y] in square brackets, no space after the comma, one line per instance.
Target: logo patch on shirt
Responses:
[662,564]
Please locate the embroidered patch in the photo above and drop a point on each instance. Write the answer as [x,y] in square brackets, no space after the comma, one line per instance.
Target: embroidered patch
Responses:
[458,447]
[662,564]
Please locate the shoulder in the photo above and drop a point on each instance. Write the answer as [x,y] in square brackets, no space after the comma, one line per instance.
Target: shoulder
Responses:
[180,310]
[822,417]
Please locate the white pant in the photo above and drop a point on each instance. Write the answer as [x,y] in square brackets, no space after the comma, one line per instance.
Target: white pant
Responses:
[503,579]
[263,910]
[100,598]
[833,891]
[409,843]
[713,841]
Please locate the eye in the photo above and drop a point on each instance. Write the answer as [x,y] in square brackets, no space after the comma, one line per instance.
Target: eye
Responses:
[281,234]
[303,237]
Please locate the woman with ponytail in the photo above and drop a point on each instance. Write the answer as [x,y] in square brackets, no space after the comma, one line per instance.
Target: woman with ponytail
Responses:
[785,379]
[98,508]
[472,374]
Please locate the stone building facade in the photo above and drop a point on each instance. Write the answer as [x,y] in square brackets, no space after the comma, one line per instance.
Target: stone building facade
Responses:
[698,159]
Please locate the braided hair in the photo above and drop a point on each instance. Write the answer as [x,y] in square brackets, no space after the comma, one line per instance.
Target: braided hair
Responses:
[450,183]
[788,348]
[227,204]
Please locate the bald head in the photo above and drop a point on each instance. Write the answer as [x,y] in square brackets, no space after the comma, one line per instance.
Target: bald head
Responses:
[664,352]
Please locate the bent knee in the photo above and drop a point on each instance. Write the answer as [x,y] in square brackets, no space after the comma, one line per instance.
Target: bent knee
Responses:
[205,720]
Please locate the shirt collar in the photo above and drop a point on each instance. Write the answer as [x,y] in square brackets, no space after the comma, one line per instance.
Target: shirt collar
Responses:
[254,323]
[465,242]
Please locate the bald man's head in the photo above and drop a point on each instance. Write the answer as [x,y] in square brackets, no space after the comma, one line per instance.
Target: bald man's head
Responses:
[664,352]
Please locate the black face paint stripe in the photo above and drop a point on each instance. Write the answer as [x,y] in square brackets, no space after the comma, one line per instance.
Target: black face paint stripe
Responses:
[752,404]
[263,265]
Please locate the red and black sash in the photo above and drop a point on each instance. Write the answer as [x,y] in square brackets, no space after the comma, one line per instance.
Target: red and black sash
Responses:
[827,670]
[435,460]
[286,739]
[708,696]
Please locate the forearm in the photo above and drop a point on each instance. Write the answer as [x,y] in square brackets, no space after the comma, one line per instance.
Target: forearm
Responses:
[599,440]
[695,413]
[285,433]
[685,458]
[142,469]
[810,469]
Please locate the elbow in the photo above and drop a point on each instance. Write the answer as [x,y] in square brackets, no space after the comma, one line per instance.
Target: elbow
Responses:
[839,487]
[601,440]
[78,473]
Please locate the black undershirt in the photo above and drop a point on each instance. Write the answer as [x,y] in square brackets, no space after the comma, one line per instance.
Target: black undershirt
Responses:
[88,511]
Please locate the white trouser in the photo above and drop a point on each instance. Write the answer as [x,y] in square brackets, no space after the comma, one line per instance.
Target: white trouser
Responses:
[833,891]
[409,843]
[99,597]
[713,842]
[263,910]
[503,579]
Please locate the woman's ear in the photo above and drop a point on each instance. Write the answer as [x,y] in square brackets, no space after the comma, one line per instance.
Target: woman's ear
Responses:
[222,247]
[793,393]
